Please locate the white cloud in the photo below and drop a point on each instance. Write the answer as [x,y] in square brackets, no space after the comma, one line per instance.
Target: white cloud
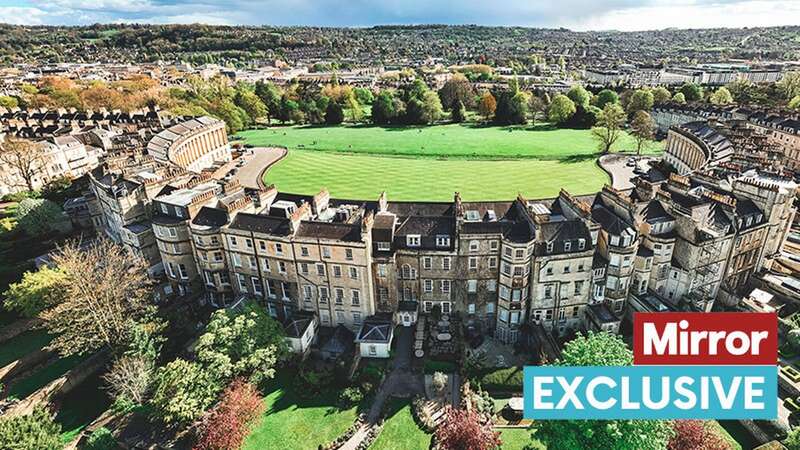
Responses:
[688,14]
[17,15]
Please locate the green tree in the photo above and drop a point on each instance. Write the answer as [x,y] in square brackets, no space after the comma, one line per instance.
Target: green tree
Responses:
[182,391]
[643,129]
[721,96]
[579,95]
[661,95]
[640,100]
[458,113]
[246,342]
[334,114]
[602,349]
[384,111]
[270,95]
[287,110]
[35,431]
[561,109]
[363,95]
[231,114]
[605,97]
[679,98]
[37,216]
[789,85]
[354,107]
[609,126]
[8,102]
[251,104]
[792,441]
[36,291]
[794,103]
[692,92]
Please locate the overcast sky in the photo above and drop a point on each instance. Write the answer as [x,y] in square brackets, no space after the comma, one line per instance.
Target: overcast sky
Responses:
[573,14]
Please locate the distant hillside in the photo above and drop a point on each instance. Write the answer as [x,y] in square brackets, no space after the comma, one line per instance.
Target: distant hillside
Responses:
[387,44]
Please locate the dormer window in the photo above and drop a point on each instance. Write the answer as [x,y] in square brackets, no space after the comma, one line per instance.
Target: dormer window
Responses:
[384,246]
[581,244]
[164,209]
[442,240]
[567,246]
[614,240]
[413,240]
[472,216]
[549,247]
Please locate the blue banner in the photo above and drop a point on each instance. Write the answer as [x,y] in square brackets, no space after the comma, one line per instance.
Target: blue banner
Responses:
[651,392]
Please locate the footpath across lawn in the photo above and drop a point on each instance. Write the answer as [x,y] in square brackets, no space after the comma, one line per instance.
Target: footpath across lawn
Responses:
[294,423]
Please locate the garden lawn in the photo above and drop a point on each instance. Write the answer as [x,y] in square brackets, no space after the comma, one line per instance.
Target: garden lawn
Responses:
[81,407]
[519,439]
[454,140]
[21,345]
[400,432]
[364,177]
[44,375]
[292,423]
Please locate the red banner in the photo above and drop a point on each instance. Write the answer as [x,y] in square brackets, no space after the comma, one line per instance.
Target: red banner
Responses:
[705,338]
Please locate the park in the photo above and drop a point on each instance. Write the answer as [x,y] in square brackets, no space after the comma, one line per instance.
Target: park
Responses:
[430,163]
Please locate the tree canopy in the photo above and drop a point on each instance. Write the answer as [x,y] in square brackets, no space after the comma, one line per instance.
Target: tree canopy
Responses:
[246,342]
[561,109]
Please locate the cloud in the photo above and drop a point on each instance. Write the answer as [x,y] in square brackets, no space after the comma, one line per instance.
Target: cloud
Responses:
[22,15]
[575,14]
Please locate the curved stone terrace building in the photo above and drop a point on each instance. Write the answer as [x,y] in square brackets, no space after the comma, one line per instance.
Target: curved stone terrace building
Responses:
[193,144]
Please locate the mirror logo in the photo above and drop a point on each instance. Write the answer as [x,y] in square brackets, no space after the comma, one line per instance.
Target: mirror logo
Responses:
[686,366]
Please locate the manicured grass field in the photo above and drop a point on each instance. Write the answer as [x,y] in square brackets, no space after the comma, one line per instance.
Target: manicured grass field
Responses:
[519,439]
[461,141]
[365,176]
[292,423]
[400,432]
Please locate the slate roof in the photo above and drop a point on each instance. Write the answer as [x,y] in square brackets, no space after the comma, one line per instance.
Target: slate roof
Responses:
[261,224]
[332,231]
[375,331]
[210,217]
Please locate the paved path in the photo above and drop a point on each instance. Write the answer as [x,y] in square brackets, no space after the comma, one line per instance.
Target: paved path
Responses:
[621,174]
[401,382]
[250,175]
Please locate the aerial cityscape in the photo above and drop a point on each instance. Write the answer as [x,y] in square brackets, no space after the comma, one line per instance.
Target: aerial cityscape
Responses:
[225,226]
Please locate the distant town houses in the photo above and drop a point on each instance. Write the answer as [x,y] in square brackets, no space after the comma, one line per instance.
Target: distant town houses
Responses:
[702,74]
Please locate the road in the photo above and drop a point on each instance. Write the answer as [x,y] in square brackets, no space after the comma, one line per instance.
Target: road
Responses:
[257,160]
[621,174]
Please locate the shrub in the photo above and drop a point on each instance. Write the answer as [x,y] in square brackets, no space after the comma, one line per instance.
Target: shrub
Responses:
[37,216]
[182,391]
[432,367]
[350,396]
[509,379]
[101,439]
[36,430]
[228,423]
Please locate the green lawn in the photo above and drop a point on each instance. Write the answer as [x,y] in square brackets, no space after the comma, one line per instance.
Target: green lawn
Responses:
[81,407]
[519,439]
[400,432]
[462,141]
[41,377]
[291,423]
[365,176]
[21,345]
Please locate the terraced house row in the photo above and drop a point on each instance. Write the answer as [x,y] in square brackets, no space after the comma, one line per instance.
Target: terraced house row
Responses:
[504,267]
[511,269]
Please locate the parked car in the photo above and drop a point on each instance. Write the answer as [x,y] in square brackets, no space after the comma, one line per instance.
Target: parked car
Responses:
[631,162]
